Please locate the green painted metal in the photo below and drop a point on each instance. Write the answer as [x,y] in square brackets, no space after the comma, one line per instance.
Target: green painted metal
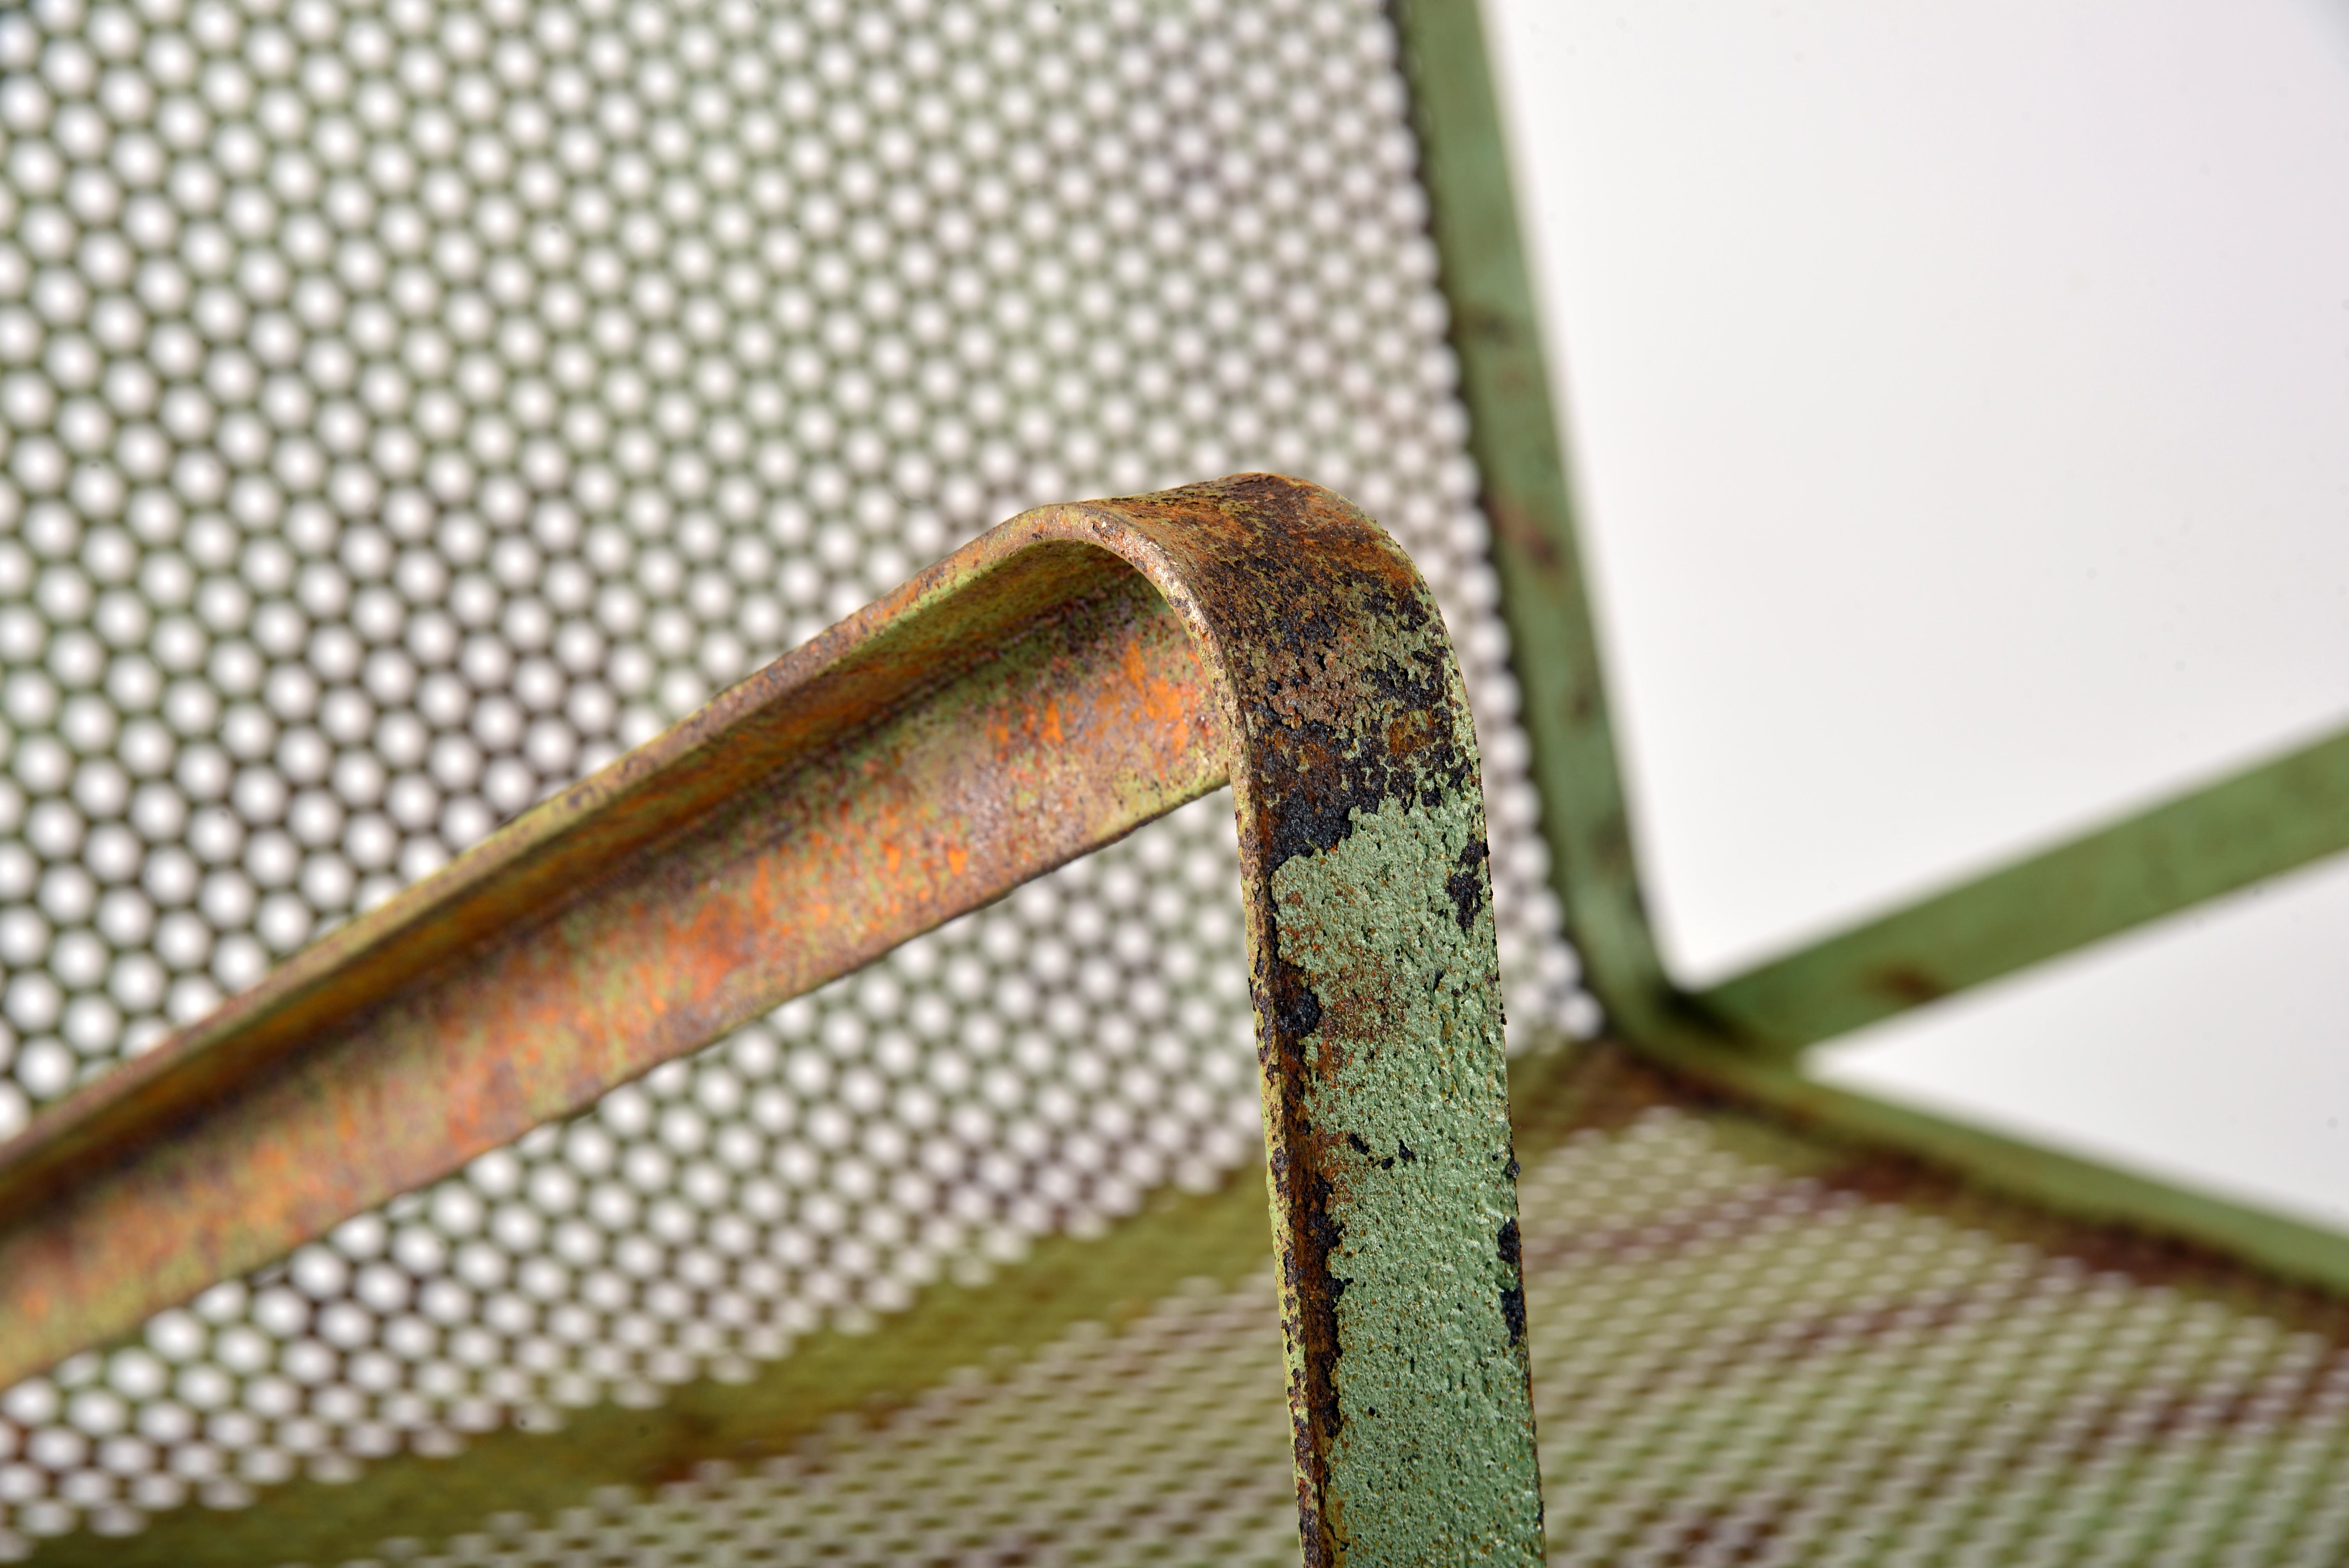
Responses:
[2077,1189]
[1557,1095]
[1391,1162]
[2255,824]
[1739,1034]
[1428,1159]
[1513,434]
[1376,981]
[1176,1237]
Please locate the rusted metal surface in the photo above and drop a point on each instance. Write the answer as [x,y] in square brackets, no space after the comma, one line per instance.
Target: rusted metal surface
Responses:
[857,792]
[1073,674]
[1379,1025]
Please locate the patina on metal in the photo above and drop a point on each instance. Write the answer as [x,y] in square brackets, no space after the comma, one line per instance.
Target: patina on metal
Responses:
[1068,676]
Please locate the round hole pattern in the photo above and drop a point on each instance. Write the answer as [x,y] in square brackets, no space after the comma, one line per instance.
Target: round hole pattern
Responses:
[1167,1442]
[1737,1363]
[407,405]
[1733,1364]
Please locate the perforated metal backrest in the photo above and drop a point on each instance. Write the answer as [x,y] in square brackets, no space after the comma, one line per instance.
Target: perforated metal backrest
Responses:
[406,406]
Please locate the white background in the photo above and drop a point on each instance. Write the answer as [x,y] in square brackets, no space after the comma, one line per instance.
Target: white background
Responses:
[1959,396]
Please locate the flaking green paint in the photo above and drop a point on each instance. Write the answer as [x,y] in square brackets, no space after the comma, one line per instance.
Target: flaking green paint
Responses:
[1411,1096]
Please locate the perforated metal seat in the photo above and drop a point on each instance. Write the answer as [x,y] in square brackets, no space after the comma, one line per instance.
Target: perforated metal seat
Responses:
[1750,1347]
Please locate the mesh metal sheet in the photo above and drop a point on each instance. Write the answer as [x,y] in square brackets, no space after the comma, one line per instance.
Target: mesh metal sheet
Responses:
[1747,1349]
[405,406]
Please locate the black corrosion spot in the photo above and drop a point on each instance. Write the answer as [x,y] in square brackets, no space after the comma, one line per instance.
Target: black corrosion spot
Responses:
[1467,885]
[1513,1297]
[1296,1010]
[1319,763]
[1352,704]
[1320,1238]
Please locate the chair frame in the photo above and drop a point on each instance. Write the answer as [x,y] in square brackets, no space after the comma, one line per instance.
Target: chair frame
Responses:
[94,1220]
[1748,1034]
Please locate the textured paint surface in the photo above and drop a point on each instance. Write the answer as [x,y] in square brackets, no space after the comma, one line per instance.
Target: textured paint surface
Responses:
[1750,1345]
[1408,1057]
[1347,706]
